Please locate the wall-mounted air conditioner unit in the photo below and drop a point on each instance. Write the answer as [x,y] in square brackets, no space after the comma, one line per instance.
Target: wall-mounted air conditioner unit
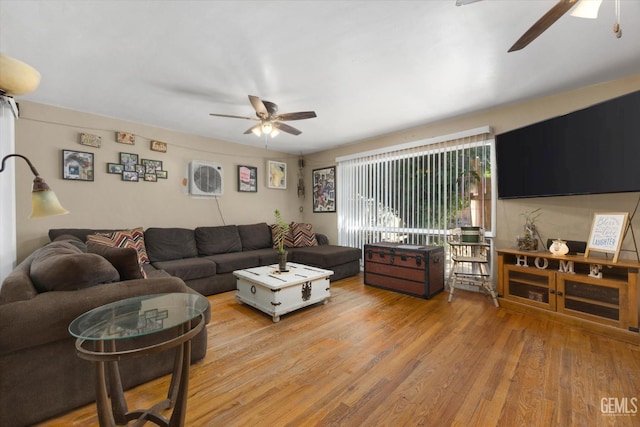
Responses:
[205,179]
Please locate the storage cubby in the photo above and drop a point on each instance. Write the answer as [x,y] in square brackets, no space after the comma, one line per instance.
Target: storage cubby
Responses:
[591,292]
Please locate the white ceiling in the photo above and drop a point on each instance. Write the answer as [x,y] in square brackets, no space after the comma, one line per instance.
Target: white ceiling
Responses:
[367,68]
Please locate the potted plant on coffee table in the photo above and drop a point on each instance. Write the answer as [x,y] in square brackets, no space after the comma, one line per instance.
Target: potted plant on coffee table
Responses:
[282,228]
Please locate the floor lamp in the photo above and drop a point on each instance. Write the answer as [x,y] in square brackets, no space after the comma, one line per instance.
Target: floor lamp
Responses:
[44,201]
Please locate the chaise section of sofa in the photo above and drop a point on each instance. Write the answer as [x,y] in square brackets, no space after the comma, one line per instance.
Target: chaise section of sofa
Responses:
[41,375]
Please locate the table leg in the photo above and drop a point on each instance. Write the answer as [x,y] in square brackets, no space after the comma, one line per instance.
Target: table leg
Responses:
[118,402]
[180,409]
[177,374]
[105,415]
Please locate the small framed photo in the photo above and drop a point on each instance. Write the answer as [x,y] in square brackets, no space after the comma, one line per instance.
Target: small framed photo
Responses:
[125,138]
[129,161]
[247,179]
[276,174]
[115,168]
[159,146]
[77,165]
[324,189]
[140,169]
[130,176]
[151,177]
[162,174]
[90,140]
[151,166]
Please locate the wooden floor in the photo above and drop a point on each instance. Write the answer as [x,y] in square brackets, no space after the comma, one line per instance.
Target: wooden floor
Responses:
[377,358]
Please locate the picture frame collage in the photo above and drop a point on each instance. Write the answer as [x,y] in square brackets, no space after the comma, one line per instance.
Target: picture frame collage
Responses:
[133,169]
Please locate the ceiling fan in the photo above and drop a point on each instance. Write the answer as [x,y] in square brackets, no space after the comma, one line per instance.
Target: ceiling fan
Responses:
[270,122]
[585,9]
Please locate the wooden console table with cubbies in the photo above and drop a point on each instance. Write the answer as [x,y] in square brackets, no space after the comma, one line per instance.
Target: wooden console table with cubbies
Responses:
[594,293]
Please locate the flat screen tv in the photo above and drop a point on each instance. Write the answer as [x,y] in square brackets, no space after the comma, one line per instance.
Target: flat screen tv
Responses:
[590,151]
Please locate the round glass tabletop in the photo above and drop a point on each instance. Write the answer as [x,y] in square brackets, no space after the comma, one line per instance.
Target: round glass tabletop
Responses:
[138,316]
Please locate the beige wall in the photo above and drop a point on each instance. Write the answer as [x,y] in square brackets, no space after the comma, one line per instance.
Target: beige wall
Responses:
[107,202]
[43,131]
[567,217]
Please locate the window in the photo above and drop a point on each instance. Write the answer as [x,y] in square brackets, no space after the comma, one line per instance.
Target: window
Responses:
[415,193]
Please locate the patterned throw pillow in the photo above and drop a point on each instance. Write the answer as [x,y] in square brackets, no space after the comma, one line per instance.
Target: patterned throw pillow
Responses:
[277,231]
[124,239]
[303,235]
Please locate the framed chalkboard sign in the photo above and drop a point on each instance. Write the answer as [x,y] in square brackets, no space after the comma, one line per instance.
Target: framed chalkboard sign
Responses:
[607,232]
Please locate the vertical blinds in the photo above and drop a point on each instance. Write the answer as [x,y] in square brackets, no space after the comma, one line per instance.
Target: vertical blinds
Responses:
[413,193]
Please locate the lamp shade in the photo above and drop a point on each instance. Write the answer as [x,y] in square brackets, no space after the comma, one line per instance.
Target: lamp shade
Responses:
[16,77]
[45,203]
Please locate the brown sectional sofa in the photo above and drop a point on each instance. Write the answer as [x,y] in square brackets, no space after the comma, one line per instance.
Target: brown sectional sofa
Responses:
[205,257]
[40,374]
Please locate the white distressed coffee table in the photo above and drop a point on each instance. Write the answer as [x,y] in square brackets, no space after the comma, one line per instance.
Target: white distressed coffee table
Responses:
[276,293]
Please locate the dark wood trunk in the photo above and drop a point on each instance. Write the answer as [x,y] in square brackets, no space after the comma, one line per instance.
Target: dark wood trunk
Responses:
[410,269]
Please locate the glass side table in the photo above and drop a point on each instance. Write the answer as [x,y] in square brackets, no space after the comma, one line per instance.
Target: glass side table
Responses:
[180,314]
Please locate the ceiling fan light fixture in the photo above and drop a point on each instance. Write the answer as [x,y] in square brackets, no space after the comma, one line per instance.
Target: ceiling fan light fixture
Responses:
[256,131]
[587,9]
[267,127]
[275,132]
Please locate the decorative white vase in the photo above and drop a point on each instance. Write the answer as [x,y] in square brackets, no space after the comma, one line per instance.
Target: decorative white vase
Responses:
[559,247]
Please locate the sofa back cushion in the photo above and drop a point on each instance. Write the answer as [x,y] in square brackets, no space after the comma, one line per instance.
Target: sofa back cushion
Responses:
[255,236]
[168,244]
[218,240]
[61,266]
[125,260]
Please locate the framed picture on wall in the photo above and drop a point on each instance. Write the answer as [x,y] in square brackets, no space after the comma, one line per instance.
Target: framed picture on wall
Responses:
[247,179]
[324,189]
[77,165]
[129,161]
[276,174]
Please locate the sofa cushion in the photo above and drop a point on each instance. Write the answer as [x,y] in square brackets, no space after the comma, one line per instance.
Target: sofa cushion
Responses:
[218,240]
[125,260]
[166,244]
[303,235]
[267,256]
[61,266]
[188,268]
[325,256]
[255,236]
[277,231]
[123,239]
[226,263]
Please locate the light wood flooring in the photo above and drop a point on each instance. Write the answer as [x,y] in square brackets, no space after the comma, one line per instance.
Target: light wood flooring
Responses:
[377,358]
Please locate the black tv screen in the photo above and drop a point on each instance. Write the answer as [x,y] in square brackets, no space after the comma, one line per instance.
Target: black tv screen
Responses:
[590,151]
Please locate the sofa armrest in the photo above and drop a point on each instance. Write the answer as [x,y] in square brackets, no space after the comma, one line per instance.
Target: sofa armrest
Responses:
[322,239]
[46,317]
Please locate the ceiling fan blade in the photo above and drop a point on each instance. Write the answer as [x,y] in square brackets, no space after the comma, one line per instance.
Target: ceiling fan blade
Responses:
[232,117]
[465,2]
[258,105]
[252,129]
[286,128]
[301,115]
[543,23]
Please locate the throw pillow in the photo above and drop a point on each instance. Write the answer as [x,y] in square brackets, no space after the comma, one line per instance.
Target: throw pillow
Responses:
[303,235]
[124,239]
[125,260]
[277,232]
[61,266]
